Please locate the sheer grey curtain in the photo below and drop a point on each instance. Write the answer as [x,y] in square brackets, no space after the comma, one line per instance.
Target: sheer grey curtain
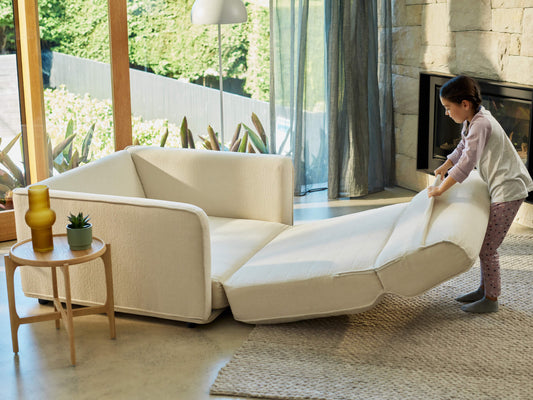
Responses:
[385,91]
[329,110]
[360,128]
[297,90]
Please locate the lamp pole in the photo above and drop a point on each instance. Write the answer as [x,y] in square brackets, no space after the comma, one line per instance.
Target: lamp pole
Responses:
[219,12]
[221,86]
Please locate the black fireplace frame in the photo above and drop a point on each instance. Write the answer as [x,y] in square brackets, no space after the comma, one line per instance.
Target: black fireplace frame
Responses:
[426,161]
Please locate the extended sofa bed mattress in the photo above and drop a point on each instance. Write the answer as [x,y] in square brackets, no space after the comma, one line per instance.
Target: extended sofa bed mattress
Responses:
[345,264]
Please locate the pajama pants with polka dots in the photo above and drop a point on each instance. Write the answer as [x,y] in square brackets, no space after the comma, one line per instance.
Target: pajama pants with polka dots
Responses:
[500,220]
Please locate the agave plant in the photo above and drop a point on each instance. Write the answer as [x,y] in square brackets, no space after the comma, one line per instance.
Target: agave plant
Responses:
[10,178]
[64,156]
[251,141]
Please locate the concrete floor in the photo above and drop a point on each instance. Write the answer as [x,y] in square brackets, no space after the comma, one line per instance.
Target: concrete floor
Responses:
[151,358]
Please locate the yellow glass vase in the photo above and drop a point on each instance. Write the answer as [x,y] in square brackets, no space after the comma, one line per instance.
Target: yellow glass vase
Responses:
[40,218]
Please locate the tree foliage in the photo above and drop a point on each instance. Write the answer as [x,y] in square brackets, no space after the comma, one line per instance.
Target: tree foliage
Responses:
[161,39]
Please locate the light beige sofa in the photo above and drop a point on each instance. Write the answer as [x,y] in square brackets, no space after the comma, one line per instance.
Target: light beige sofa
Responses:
[179,222]
[193,232]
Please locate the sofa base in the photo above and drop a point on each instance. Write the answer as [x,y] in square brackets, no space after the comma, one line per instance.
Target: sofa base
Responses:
[43,299]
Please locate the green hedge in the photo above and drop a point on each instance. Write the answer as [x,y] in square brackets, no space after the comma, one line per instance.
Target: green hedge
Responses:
[161,38]
[62,106]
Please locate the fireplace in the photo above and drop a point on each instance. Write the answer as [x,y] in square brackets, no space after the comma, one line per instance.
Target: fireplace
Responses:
[438,135]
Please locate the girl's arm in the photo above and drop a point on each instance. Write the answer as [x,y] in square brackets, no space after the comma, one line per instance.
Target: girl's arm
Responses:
[472,147]
[458,152]
[434,191]
[474,143]
[443,169]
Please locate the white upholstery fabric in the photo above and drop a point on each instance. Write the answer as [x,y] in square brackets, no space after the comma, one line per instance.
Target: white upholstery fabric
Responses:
[223,184]
[233,242]
[411,264]
[114,174]
[171,260]
[160,252]
[314,269]
[162,248]
[345,264]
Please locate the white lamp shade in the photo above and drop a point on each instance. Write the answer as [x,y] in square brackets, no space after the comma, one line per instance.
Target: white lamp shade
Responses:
[209,12]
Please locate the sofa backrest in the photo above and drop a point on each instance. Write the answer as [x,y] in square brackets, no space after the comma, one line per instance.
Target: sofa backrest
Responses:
[113,175]
[223,184]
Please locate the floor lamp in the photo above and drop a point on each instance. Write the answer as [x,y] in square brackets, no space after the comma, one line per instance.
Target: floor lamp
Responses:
[211,12]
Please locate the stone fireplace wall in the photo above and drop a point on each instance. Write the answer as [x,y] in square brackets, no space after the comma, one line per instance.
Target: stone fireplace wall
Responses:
[482,38]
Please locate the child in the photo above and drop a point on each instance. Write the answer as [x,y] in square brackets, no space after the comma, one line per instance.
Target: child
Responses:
[484,145]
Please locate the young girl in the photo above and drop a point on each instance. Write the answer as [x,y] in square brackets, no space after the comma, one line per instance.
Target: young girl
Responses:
[484,145]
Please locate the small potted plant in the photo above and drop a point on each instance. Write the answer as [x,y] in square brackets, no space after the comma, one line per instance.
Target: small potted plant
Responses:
[79,232]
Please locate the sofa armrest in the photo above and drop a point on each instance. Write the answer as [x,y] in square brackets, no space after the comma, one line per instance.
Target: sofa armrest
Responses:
[161,252]
[223,184]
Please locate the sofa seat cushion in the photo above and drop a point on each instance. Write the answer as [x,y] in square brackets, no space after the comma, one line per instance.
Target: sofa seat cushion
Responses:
[314,269]
[233,242]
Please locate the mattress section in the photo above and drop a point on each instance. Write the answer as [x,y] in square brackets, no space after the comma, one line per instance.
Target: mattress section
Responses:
[233,242]
[435,239]
[314,269]
[423,269]
[345,264]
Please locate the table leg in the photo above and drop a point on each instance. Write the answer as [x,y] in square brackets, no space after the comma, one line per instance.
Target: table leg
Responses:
[69,322]
[55,292]
[13,316]
[110,302]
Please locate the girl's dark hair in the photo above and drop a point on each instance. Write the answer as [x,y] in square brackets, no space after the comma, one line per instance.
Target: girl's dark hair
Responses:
[462,88]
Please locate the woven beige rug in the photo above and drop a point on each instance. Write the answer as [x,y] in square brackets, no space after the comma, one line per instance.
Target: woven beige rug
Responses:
[404,348]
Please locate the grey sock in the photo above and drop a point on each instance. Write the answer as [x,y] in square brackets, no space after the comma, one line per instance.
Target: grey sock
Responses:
[481,306]
[472,296]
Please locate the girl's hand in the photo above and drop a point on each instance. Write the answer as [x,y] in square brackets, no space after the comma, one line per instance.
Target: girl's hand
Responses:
[442,170]
[434,191]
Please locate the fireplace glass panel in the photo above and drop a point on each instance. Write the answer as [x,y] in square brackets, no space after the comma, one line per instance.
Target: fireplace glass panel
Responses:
[447,133]
[514,115]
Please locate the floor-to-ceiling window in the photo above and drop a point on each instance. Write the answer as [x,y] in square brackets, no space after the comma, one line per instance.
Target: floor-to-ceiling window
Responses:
[56,107]
[75,54]
[12,171]
[175,72]
[70,104]
[299,50]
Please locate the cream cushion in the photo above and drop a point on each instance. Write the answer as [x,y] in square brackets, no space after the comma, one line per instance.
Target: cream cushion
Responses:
[113,175]
[435,239]
[233,242]
[223,184]
[345,264]
[314,269]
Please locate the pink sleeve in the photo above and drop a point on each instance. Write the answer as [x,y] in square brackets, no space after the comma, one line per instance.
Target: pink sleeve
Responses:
[456,154]
[473,145]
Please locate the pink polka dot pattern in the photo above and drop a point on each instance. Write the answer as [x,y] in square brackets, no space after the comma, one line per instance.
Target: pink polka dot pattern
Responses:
[500,219]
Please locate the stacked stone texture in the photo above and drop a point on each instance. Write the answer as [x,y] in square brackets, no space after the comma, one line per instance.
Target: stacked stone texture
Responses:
[483,38]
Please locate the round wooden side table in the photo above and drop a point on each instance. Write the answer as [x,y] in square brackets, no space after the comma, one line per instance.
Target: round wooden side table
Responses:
[22,254]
